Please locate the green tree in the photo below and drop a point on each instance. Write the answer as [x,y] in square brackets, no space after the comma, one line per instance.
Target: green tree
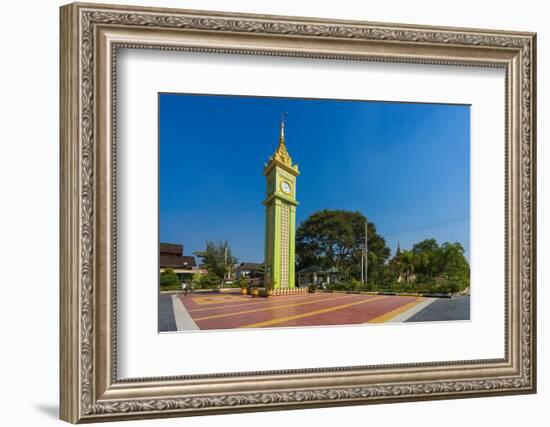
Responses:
[409,261]
[196,281]
[443,267]
[427,257]
[217,258]
[205,281]
[169,280]
[210,281]
[335,238]
[259,273]
[454,265]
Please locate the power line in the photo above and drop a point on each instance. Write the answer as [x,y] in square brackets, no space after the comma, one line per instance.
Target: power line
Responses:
[428,226]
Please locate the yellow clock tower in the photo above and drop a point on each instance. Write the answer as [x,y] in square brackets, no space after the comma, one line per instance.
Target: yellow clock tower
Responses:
[280,224]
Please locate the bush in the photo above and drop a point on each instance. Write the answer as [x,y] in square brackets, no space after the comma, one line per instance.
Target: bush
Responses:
[244,282]
[422,285]
[355,285]
[196,281]
[370,286]
[234,284]
[169,280]
[210,281]
[352,285]
[205,281]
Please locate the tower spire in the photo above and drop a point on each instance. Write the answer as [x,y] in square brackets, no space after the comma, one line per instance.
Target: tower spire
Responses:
[281,153]
[282,137]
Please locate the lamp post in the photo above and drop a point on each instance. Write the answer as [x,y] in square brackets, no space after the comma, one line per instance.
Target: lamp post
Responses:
[225,269]
[366,251]
[362,268]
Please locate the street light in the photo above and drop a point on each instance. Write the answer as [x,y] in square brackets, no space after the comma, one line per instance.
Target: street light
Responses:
[362,268]
[366,251]
[364,259]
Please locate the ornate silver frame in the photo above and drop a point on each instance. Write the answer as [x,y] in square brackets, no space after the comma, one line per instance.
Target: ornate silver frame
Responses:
[90,36]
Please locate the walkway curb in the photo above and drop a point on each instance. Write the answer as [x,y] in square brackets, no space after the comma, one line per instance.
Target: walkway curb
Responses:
[404,316]
[183,319]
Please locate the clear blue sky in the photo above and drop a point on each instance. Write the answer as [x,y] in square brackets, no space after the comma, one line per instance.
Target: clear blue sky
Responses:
[406,166]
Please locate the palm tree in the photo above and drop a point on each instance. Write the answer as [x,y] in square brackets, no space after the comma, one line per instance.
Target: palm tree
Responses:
[407,265]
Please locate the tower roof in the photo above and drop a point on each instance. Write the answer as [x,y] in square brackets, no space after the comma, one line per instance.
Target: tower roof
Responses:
[281,153]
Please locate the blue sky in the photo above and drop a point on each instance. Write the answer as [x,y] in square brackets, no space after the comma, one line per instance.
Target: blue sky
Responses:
[404,165]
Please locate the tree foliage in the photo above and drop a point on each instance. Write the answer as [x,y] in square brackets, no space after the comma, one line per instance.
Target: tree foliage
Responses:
[404,265]
[214,258]
[196,281]
[429,262]
[335,238]
[259,273]
[169,279]
[205,281]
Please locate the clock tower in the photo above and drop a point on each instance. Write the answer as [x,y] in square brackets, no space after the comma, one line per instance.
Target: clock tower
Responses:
[280,219]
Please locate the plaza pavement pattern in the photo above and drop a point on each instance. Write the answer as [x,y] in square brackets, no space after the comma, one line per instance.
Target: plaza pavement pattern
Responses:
[211,311]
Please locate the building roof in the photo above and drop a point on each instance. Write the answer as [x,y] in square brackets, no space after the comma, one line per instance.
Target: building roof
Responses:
[247,266]
[171,249]
[171,255]
[174,261]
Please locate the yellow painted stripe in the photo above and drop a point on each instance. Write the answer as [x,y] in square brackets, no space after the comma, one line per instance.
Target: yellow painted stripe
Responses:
[216,300]
[237,313]
[249,302]
[311,313]
[391,314]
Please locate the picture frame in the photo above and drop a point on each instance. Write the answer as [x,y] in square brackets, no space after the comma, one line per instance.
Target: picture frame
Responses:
[91,34]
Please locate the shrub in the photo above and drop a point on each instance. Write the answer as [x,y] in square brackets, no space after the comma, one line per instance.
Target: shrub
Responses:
[196,281]
[210,281]
[231,284]
[352,285]
[244,282]
[169,280]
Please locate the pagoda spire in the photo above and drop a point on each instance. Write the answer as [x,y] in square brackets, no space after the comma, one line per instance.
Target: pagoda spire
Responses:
[281,153]
[282,137]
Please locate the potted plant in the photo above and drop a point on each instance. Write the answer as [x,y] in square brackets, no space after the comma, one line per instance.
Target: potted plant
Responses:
[243,283]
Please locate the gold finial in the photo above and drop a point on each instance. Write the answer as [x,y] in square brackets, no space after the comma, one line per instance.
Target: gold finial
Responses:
[282,138]
[281,154]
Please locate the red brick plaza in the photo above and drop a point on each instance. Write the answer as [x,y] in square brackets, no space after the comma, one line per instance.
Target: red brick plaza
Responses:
[231,310]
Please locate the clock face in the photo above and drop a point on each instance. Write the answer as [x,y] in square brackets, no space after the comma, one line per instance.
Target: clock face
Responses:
[285,186]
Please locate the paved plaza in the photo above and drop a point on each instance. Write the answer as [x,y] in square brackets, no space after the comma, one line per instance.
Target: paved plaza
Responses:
[209,311]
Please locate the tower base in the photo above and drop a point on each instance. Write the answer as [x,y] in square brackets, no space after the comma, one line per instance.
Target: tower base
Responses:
[287,291]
